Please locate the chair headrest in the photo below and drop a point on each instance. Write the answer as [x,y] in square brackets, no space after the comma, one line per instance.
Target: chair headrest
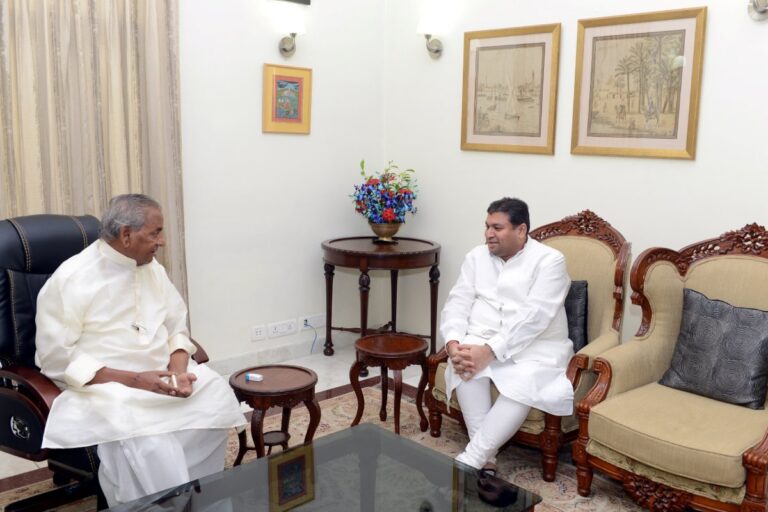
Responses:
[38,244]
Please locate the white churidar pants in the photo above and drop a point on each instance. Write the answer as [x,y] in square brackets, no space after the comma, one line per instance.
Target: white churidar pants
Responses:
[139,466]
[489,425]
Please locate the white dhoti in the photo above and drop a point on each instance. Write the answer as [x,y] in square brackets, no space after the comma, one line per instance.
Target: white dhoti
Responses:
[140,466]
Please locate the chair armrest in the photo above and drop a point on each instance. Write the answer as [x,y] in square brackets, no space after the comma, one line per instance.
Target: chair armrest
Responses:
[755,461]
[433,361]
[32,384]
[200,356]
[636,363]
[601,344]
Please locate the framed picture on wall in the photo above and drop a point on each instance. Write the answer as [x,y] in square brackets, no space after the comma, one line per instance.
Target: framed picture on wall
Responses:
[291,478]
[638,79]
[510,89]
[287,100]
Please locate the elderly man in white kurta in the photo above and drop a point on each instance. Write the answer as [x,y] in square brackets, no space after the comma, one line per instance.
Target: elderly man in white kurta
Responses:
[504,323]
[112,333]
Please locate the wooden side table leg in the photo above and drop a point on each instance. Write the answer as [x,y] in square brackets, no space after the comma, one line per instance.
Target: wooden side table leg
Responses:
[314,418]
[242,447]
[434,281]
[398,395]
[393,287]
[424,423]
[257,431]
[284,426]
[328,308]
[354,379]
[365,286]
[384,393]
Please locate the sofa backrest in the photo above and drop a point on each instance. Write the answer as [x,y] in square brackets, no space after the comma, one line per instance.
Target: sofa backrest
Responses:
[732,267]
[597,253]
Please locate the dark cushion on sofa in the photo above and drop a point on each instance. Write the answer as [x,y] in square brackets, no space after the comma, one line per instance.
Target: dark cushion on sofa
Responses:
[721,352]
[576,311]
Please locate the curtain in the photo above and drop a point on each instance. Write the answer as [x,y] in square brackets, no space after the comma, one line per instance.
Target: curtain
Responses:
[89,108]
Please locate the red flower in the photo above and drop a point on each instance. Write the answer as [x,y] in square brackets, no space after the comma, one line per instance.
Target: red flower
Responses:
[388,215]
[373,181]
[405,190]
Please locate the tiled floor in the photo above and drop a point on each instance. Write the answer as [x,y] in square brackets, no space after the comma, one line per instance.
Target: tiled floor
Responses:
[332,372]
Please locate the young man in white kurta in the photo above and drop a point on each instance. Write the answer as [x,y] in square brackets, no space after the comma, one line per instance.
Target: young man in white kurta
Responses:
[504,323]
[111,330]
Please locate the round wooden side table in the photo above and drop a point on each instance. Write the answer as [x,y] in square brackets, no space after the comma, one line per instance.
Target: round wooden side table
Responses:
[390,352]
[283,386]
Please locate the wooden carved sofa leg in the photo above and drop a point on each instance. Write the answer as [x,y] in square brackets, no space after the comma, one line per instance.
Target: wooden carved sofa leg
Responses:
[583,469]
[550,444]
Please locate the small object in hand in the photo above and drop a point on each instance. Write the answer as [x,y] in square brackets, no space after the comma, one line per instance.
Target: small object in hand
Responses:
[255,377]
[174,381]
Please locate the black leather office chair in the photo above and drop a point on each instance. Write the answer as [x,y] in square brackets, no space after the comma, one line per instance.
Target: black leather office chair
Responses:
[31,248]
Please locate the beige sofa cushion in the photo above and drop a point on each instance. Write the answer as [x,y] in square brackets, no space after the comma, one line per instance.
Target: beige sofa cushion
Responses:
[680,433]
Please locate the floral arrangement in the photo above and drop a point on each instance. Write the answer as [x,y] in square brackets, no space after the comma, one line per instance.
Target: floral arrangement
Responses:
[387,196]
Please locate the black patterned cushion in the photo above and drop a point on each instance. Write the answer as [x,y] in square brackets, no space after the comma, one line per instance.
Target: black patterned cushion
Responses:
[576,311]
[721,352]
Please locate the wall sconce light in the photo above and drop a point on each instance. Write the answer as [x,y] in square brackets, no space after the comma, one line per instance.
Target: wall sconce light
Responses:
[287,45]
[758,9]
[434,46]
[288,18]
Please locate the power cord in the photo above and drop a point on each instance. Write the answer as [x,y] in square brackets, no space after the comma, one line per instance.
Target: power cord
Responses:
[312,347]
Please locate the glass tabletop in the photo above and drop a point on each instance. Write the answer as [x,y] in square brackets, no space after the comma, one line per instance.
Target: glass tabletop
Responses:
[363,468]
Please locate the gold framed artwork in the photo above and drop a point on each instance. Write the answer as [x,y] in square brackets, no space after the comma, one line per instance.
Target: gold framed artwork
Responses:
[287,102]
[510,89]
[291,478]
[638,80]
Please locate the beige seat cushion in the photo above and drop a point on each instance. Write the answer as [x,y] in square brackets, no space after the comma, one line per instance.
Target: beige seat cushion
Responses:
[678,432]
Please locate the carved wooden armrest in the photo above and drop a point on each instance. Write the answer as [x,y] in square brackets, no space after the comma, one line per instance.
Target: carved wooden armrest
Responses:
[602,343]
[433,361]
[200,356]
[32,384]
[576,366]
[755,461]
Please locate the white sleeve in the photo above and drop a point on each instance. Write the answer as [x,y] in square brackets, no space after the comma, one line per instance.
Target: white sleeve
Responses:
[176,319]
[59,326]
[545,299]
[454,319]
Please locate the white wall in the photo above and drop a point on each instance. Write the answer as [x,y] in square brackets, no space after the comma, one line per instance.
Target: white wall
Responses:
[258,205]
[651,201]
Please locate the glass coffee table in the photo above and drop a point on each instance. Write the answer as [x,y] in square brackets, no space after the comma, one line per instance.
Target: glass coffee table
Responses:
[363,468]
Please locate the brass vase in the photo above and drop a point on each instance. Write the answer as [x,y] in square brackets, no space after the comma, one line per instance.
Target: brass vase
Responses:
[385,231]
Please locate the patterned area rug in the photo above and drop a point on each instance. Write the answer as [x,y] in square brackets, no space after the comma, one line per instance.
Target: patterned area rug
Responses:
[519,465]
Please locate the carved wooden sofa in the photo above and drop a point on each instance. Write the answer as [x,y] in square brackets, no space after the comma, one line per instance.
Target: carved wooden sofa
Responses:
[594,252]
[674,449]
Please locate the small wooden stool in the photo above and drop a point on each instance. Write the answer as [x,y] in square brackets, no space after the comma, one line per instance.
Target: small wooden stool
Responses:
[283,386]
[391,352]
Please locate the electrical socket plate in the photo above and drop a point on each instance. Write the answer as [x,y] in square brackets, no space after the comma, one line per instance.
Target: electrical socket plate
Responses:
[258,332]
[283,328]
[315,321]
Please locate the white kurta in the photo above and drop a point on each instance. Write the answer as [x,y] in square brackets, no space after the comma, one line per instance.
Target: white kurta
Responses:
[99,309]
[516,307]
